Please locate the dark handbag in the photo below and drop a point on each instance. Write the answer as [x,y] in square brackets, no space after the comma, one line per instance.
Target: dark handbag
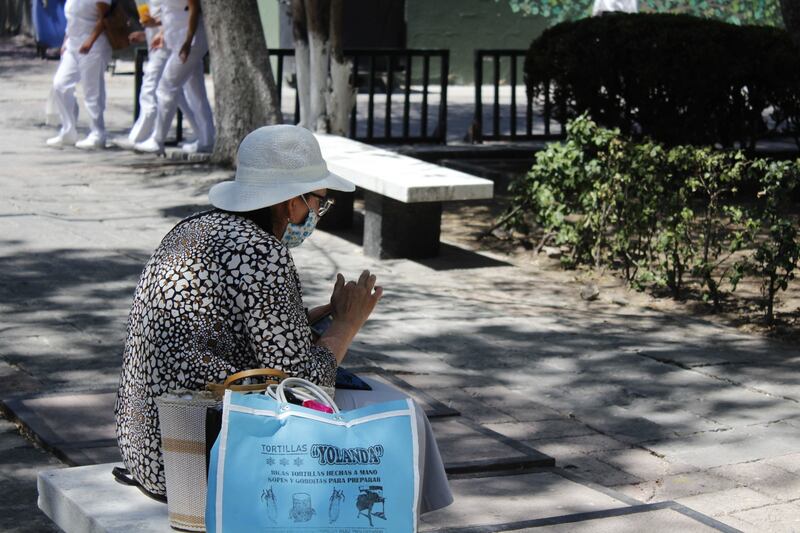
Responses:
[117,26]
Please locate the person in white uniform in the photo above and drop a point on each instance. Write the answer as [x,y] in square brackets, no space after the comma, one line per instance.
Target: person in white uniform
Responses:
[185,38]
[156,61]
[84,57]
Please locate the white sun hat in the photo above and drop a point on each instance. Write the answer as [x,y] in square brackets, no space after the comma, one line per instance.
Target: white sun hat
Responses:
[274,164]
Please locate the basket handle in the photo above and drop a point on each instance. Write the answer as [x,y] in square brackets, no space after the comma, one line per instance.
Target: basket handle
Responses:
[271,373]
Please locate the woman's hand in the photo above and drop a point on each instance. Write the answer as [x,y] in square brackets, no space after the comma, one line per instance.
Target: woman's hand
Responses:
[353,302]
[136,37]
[186,49]
[86,46]
[158,41]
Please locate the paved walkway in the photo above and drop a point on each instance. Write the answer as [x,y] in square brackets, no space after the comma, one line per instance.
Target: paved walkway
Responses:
[658,407]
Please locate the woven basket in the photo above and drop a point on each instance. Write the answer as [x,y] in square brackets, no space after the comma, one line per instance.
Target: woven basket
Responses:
[182,415]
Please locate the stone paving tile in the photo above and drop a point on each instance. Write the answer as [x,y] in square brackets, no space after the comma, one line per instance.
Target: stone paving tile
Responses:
[728,501]
[789,462]
[677,486]
[765,478]
[779,518]
[514,403]
[600,472]
[641,463]
[493,500]
[20,462]
[658,521]
[542,429]
[24,519]
[467,405]
[564,449]
[741,444]
[16,381]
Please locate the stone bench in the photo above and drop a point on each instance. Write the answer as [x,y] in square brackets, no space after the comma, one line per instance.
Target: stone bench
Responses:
[403,197]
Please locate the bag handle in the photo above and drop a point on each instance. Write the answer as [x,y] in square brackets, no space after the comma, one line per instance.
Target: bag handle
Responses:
[271,373]
[302,388]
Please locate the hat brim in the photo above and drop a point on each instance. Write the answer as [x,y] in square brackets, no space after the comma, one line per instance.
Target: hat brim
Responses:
[241,197]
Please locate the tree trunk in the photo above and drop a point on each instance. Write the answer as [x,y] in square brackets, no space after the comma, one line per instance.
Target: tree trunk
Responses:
[318,14]
[791,18]
[341,97]
[244,87]
[301,60]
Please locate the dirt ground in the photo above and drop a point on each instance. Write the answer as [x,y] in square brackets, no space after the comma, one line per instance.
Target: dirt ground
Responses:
[469,225]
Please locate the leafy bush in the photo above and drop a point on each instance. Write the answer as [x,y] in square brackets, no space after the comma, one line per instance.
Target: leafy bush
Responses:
[675,78]
[659,215]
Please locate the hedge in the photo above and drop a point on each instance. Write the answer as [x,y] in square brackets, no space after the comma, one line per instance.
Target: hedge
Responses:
[675,78]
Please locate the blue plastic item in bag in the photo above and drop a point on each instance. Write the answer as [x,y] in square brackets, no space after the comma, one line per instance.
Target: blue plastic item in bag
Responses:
[281,467]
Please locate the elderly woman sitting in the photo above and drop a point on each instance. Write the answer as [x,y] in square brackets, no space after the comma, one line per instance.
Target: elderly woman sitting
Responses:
[221,294]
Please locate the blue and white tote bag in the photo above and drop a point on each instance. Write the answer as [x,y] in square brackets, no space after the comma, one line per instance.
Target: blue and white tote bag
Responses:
[280,467]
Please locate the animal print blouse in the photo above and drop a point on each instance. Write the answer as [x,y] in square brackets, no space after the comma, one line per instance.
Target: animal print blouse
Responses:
[219,295]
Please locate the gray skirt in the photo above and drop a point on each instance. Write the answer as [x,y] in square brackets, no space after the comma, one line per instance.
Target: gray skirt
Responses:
[435,490]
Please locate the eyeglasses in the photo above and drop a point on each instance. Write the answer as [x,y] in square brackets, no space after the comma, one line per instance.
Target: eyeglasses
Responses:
[325,203]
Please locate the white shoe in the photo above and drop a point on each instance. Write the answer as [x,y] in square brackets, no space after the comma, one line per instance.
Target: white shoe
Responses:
[91,142]
[193,148]
[63,139]
[123,142]
[149,146]
[188,141]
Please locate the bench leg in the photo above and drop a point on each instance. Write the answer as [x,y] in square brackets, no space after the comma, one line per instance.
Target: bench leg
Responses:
[396,229]
[340,217]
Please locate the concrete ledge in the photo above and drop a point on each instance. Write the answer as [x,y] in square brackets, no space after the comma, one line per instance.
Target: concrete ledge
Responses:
[88,499]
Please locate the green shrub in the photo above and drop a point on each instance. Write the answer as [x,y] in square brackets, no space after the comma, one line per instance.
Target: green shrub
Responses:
[675,78]
[660,215]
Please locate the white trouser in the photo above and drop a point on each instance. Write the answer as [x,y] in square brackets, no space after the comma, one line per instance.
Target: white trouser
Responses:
[148,110]
[178,75]
[88,69]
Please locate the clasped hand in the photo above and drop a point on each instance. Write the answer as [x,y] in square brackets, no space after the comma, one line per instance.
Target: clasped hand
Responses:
[353,301]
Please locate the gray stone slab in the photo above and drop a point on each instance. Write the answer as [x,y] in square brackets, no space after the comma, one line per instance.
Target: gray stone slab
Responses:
[657,521]
[779,518]
[748,443]
[565,448]
[677,486]
[91,456]
[68,419]
[433,408]
[499,500]
[467,447]
[521,407]
[542,429]
[727,501]
[70,497]
[764,478]
[596,471]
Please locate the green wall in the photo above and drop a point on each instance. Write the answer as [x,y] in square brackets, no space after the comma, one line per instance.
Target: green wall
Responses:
[464,25]
[268,9]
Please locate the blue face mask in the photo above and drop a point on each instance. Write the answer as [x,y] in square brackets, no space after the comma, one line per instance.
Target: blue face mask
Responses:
[295,234]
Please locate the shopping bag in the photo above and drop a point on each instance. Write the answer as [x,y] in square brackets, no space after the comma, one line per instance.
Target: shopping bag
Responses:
[282,467]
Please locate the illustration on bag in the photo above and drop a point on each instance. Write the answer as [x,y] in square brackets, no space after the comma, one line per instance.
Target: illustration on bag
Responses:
[365,503]
[301,510]
[337,497]
[268,497]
